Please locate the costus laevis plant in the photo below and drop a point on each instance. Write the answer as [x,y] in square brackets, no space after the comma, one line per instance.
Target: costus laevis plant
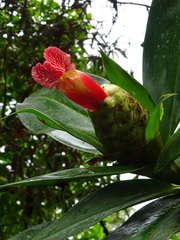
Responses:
[118,118]
[57,70]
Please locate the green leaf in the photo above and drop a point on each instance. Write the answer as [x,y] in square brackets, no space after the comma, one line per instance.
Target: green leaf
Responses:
[158,221]
[170,152]
[161,60]
[31,122]
[155,118]
[96,206]
[52,4]
[55,110]
[121,78]
[72,174]
[154,122]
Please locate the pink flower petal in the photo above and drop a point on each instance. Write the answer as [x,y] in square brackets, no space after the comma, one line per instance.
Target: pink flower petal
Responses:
[46,74]
[58,58]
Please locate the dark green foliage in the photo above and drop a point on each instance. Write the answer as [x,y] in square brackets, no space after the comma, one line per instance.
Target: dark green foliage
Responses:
[161,60]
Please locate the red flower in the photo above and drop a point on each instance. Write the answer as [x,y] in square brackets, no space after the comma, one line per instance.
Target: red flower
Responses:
[57,70]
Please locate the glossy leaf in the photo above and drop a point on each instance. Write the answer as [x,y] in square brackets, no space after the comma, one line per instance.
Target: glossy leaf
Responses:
[170,152]
[161,60]
[120,77]
[155,118]
[158,220]
[72,174]
[59,111]
[38,127]
[96,206]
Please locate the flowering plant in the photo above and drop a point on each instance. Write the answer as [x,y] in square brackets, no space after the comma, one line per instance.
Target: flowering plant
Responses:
[119,120]
[58,71]
[122,121]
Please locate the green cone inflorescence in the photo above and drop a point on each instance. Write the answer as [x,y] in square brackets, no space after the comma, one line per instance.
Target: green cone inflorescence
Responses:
[120,123]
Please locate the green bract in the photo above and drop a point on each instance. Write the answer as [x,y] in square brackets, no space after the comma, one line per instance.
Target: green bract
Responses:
[120,124]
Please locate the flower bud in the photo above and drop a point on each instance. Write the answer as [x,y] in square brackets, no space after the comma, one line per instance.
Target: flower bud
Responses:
[120,122]
[57,70]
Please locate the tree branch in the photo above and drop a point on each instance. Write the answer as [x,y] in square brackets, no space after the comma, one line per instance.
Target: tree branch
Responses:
[105,230]
[137,4]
